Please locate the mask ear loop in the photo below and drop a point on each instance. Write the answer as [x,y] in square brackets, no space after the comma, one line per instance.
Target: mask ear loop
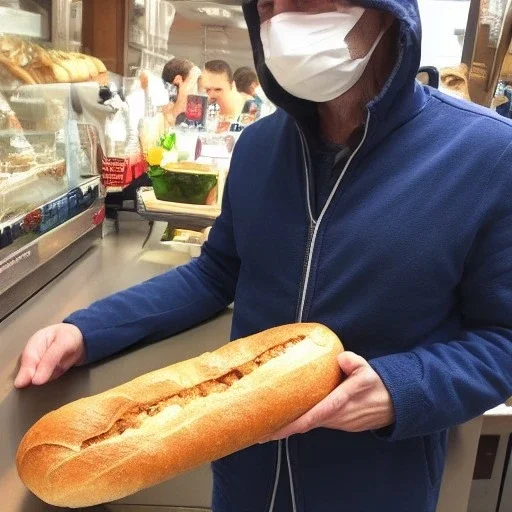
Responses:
[365,59]
[350,9]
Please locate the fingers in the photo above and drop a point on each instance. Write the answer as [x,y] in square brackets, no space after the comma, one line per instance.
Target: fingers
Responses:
[361,377]
[333,411]
[30,359]
[318,416]
[49,354]
[50,362]
[27,370]
[351,363]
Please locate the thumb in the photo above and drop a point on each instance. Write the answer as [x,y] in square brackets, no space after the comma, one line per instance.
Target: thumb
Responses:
[351,363]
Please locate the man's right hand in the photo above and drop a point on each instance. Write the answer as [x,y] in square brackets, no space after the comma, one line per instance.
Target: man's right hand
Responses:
[50,353]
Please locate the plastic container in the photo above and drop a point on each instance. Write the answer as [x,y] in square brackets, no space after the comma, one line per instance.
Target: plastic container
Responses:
[186,182]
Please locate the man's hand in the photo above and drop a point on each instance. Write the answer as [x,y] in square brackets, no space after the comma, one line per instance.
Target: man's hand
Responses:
[50,353]
[360,403]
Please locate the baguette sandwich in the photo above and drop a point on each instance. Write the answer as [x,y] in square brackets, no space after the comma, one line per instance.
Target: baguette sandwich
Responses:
[172,420]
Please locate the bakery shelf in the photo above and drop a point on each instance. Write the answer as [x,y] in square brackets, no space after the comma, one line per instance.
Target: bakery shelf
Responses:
[186,216]
[24,23]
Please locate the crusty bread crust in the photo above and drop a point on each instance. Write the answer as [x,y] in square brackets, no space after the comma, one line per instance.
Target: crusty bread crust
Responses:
[166,422]
[30,63]
[16,71]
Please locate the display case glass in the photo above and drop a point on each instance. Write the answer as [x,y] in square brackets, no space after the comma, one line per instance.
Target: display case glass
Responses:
[46,157]
[50,148]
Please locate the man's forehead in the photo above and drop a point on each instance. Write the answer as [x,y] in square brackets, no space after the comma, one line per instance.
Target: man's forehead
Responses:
[214,78]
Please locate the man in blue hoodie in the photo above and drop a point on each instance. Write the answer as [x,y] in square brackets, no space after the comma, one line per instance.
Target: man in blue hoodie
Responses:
[375,206]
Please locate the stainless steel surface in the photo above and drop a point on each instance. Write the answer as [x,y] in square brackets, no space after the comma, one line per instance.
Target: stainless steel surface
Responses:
[34,281]
[16,266]
[118,262]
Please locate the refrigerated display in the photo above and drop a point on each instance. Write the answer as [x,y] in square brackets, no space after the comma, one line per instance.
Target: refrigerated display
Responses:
[48,180]
[51,206]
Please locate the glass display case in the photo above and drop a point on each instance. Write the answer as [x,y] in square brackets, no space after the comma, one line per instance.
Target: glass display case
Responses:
[49,182]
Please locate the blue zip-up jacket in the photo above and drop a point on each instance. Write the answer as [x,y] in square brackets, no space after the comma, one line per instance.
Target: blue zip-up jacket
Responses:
[410,262]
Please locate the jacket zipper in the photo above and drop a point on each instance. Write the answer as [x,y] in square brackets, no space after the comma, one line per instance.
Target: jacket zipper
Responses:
[314,226]
[312,222]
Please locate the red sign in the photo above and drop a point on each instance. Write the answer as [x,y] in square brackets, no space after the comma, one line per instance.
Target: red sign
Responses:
[119,172]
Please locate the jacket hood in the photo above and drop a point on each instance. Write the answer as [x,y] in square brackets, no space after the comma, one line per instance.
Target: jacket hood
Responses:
[402,94]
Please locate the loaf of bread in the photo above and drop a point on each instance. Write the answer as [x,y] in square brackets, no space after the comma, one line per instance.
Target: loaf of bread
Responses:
[169,421]
[29,63]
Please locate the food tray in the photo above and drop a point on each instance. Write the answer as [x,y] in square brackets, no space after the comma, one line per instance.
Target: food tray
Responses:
[195,217]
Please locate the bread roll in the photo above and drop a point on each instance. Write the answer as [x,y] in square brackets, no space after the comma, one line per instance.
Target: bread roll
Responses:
[108,446]
[77,70]
[36,73]
[93,72]
[32,64]
[60,73]
[16,71]
[98,63]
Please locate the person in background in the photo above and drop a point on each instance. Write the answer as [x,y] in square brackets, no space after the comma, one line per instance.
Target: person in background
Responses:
[185,75]
[371,204]
[247,82]
[220,86]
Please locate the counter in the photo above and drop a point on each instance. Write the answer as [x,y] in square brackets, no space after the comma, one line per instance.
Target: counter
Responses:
[118,262]
[111,265]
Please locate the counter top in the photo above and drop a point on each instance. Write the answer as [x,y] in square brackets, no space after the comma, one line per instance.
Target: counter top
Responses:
[112,265]
[115,263]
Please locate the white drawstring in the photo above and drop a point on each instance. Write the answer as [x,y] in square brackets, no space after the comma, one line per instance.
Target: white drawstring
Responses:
[276,482]
[292,488]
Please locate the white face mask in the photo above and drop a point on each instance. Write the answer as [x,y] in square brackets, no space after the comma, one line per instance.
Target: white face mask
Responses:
[308,55]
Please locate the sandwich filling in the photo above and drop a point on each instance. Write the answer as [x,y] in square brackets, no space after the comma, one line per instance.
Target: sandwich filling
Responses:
[135,417]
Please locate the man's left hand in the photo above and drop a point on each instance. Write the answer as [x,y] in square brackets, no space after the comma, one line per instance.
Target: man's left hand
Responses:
[362,402]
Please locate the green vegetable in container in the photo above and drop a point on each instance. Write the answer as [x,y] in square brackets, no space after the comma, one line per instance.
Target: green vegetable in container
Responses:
[183,187]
